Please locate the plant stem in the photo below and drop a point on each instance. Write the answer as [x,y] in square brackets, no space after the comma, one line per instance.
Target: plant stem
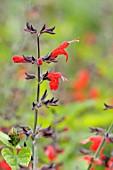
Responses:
[34,147]
[101,144]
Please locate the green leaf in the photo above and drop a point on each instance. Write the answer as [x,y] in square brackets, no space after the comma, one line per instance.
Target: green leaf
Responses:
[10,158]
[24,156]
[4,138]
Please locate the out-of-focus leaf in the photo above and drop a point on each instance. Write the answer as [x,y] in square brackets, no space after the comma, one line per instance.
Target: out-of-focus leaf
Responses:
[24,156]
[9,158]
[4,139]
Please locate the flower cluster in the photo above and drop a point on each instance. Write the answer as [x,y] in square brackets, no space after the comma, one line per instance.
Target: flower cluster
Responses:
[103,159]
[53,150]
[53,77]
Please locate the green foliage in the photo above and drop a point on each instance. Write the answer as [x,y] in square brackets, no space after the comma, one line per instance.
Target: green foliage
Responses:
[10,154]
[10,158]
[4,138]
[14,136]
[24,156]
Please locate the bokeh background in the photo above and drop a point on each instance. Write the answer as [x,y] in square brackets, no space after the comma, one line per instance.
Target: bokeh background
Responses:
[89,69]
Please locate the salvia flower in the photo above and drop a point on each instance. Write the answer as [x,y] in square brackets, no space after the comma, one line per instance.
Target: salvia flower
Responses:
[51,153]
[110,164]
[82,81]
[90,159]
[96,140]
[94,93]
[24,59]
[40,61]
[4,165]
[18,59]
[53,77]
[60,50]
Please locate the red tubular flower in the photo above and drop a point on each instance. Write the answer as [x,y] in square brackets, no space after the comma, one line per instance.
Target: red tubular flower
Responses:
[51,153]
[94,93]
[60,49]
[96,140]
[18,59]
[40,61]
[79,96]
[4,166]
[110,164]
[54,79]
[82,81]
[90,159]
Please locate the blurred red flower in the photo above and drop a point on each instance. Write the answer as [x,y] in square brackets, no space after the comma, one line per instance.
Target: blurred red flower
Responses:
[96,140]
[18,59]
[54,79]
[40,61]
[60,49]
[51,153]
[4,166]
[90,159]
[110,164]
[79,95]
[93,93]
[82,81]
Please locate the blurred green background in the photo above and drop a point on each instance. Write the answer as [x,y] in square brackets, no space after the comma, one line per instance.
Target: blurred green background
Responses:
[91,59]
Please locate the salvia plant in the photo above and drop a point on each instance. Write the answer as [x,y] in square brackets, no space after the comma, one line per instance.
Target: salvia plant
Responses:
[24,157]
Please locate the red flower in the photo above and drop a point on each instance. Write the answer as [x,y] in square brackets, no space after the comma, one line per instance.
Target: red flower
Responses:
[94,93]
[54,79]
[18,59]
[90,159]
[110,164]
[4,166]
[60,49]
[40,61]
[82,81]
[51,153]
[96,140]
[79,96]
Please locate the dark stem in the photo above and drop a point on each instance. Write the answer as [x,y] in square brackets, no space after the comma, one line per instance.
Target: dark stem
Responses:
[101,145]
[35,151]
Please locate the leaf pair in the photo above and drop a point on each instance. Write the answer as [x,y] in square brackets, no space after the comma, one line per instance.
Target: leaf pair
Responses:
[23,157]
[14,160]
